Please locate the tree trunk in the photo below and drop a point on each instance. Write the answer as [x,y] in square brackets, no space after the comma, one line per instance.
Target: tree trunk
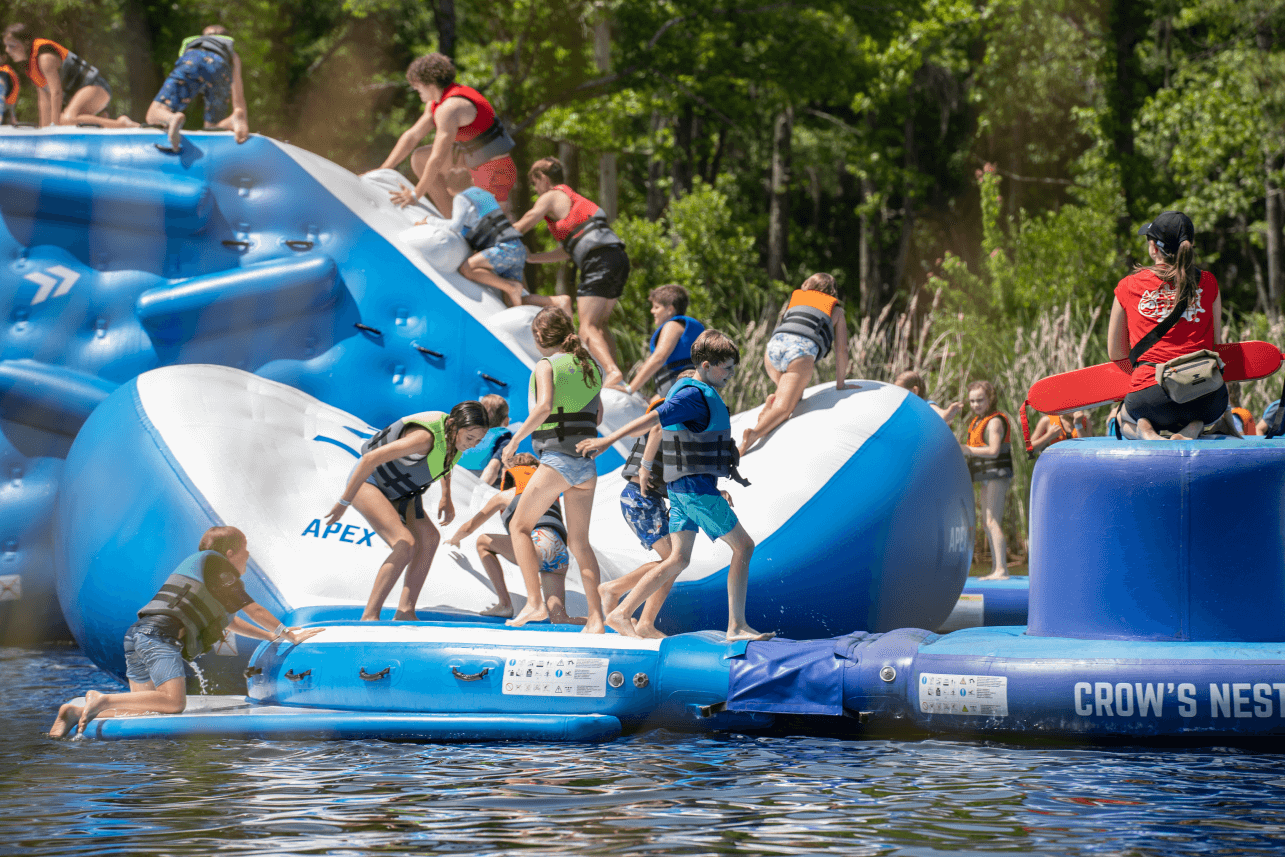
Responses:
[868,250]
[778,225]
[655,169]
[569,154]
[907,207]
[1275,257]
[608,180]
[1126,89]
[444,17]
[1264,303]
[143,83]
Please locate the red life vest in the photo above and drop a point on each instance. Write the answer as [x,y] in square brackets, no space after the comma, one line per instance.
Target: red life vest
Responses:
[485,112]
[581,210]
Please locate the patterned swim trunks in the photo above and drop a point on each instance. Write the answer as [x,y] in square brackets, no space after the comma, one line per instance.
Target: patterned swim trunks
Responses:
[645,514]
[508,259]
[551,550]
[199,72]
[784,348]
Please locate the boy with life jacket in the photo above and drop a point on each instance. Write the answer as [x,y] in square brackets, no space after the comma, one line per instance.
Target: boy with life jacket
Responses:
[208,66]
[387,485]
[696,448]
[483,460]
[1053,428]
[465,127]
[9,89]
[811,323]
[988,452]
[914,382]
[198,603]
[580,227]
[549,538]
[567,407]
[1242,419]
[671,341]
[69,91]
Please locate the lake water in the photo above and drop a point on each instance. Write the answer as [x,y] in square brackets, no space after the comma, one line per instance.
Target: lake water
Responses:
[656,793]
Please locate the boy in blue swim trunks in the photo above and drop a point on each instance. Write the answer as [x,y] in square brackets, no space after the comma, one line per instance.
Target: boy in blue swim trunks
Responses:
[697,448]
[207,66]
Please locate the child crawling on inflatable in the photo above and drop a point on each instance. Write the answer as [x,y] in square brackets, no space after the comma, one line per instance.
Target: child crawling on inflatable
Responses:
[190,613]
[696,448]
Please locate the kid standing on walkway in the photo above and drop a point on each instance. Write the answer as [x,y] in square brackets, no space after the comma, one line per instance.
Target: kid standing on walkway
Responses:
[671,343]
[697,448]
[565,385]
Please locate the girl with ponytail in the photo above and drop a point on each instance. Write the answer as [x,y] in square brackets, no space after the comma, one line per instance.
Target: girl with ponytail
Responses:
[1143,300]
[387,487]
[565,387]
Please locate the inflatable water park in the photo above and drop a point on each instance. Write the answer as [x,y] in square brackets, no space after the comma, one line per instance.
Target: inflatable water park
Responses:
[209,337]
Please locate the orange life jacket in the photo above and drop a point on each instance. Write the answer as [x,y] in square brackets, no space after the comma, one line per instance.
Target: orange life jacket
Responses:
[11,96]
[808,315]
[986,468]
[1246,420]
[33,67]
[517,477]
[1056,422]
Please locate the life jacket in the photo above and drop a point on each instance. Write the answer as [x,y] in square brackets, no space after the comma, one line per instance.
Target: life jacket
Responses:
[485,138]
[680,359]
[574,416]
[9,78]
[584,229]
[633,464]
[808,315]
[220,46]
[977,437]
[1056,422]
[185,598]
[1246,421]
[494,226]
[712,451]
[73,72]
[411,475]
[518,477]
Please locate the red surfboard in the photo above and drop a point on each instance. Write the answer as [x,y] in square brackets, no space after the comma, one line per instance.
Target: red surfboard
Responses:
[1109,382]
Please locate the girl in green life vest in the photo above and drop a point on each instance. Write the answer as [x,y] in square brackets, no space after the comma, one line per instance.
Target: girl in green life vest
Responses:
[565,387]
[387,486]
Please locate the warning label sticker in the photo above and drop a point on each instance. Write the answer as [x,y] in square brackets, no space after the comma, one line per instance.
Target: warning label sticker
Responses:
[554,674]
[969,695]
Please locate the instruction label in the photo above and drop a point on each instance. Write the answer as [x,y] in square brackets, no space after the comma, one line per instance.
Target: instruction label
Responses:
[968,695]
[554,674]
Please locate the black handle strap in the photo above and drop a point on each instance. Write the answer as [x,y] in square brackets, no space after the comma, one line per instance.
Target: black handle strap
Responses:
[1144,344]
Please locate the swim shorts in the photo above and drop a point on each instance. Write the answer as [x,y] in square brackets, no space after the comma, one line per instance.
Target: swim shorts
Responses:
[497,176]
[645,513]
[94,79]
[784,348]
[199,72]
[150,657]
[507,259]
[551,550]
[1152,403]
[708,512]
[604,273]
[576,469]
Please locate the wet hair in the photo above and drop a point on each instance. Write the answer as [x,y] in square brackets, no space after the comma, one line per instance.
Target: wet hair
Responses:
[222,540]
[432,70]
[552,328]
[215,30]
[19,32]
[820,283]
[672,295]
[910,380]
[714,346]
[989,389]
[465,415]
[550,168]
[458,178]
[497,409]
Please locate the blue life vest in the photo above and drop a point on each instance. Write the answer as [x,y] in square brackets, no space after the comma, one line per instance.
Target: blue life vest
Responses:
[712,451]
[680,359]
[185,598]
[494,226]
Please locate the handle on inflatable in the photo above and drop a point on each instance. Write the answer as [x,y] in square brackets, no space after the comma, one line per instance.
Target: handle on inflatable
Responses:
[294,676]
[374,331]
[365,676]
[236,245]
[251,672]
[493,380]
[430,352]
[455,671]
[299,245]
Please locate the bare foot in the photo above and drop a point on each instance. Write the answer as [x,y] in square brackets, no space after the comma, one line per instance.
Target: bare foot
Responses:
[593,626]
[126,122]
[621,624]
[94,702]
[505,610]
[409,616]
[513,294]
[649,632]
[173,129]
[563,302]
[370,617]
[996,575]
[747,440]
[1146,431]
[608,595]
[528,614]
[745,632]
[561,617]
[68,716]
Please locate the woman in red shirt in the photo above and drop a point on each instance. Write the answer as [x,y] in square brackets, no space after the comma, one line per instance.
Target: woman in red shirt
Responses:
[1143,300]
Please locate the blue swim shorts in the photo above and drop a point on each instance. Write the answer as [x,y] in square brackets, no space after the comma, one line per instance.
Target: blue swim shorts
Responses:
[645,513]
[708,512]
[576,469]
[551,550]
[199,72]
[784,348]
[508,259]
[153,658]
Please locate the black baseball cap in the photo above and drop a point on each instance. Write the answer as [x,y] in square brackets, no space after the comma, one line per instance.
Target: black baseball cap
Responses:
[1169,230]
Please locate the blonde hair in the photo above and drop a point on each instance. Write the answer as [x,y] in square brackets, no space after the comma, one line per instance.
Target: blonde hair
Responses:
[820,283]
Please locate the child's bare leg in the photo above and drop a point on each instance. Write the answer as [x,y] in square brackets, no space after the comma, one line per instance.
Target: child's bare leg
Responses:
[738,578]
[555,598]
[68,716]
[993,494]
[543,488]
[159,114]
[1146,431]
[579,507]
[427,539]
[479,270]
[487,550]
[169,698]
[789,392]
[646,624]
[664,572]
[376,509]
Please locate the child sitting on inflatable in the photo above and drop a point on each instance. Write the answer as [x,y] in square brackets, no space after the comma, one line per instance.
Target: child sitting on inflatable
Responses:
[567,407]
[387,485]
[197,604]
[549,538]
[208,66]
[671,342]
[484,459]
[811,322]
[697,448]
[914,382]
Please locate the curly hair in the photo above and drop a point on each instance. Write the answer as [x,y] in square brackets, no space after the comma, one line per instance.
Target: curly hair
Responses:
[431,70]
[552,328]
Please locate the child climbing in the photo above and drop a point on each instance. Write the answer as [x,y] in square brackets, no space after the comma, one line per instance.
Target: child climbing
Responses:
[671,341]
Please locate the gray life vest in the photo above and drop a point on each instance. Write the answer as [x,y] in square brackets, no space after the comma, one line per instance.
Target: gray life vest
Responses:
[633,465]
[550,520]
[712,451]
[220,46]
[74,73]
[411,474]
[494,226]
[810,323]
[185,598]
[488,145]
[594,234]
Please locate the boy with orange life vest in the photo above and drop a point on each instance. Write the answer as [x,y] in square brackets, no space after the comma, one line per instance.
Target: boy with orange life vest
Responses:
[208,66]
[464,126]
[584,236]
[549,538]
[811,323]
[988,452]
[1053,428]
[671,341]
[1241,417]
[69,91]
[697,448]
[9,88]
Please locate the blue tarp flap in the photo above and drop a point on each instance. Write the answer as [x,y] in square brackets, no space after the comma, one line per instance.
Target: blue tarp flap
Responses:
[787,677]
